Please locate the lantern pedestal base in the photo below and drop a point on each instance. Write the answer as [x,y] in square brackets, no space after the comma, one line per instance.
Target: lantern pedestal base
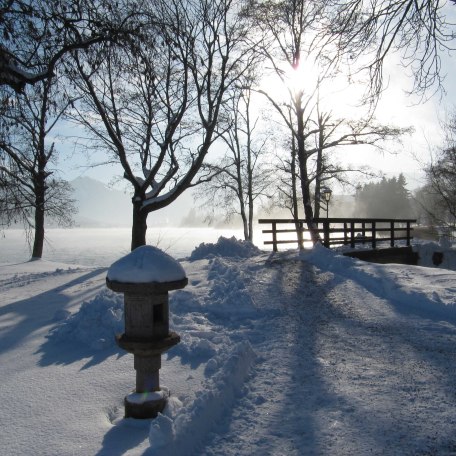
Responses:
[145,405]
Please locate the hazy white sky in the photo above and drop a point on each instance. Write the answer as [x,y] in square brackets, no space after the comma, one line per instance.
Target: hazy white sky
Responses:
[426,117]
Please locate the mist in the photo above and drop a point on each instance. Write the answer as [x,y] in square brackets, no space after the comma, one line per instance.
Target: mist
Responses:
[100,206]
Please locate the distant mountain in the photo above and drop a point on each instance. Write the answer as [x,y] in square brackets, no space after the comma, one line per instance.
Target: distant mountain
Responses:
[102,206]
[99,205]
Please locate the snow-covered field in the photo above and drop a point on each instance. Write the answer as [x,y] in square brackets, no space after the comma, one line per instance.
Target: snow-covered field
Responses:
[291,353]
[103,246]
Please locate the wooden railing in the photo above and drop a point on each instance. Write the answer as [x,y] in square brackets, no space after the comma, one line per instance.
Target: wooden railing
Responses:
[341,231]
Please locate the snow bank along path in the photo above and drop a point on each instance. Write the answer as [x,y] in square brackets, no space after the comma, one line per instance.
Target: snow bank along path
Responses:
[285,354]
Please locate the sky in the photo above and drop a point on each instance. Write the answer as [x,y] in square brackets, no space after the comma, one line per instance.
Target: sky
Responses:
[291,353]
[395,107]
[424,116]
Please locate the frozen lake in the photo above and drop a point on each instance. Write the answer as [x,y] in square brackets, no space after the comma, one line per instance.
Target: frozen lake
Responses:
[102,246]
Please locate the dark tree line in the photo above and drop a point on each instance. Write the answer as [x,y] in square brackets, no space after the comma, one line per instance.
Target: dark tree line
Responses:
[388,198]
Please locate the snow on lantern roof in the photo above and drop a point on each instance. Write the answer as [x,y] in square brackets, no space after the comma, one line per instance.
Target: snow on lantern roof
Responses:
[146,265]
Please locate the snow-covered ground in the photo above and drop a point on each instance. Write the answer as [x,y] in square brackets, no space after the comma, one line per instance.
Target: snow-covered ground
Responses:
[291,353]
[103,246]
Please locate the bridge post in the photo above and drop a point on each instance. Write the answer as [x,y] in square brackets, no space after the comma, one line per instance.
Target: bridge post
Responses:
[300,236]
[352,235]
[374,240]
[274,236]
[326,233]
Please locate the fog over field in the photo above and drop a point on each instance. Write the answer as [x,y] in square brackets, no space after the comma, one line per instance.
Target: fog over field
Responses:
[104,206]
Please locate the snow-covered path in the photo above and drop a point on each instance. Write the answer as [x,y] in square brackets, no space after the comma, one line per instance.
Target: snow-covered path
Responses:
[341,372]
[275,415]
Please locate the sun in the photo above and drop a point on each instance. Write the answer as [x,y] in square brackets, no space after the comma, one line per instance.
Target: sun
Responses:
[284,81]
[304,78]
[314,85]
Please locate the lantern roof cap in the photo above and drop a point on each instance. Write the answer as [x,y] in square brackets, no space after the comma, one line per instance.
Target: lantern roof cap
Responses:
[147,265]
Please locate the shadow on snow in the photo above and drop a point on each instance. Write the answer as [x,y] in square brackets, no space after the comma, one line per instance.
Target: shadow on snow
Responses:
[38,313]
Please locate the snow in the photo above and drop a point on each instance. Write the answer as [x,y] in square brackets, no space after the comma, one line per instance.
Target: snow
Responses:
[228,247]
[292,353]
[94,324]
[139,398]
[146,264]
[427,250]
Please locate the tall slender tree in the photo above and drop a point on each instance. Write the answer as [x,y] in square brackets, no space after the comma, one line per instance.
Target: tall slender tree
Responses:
[292,26]
[29,189]
[294,50]
[244,175]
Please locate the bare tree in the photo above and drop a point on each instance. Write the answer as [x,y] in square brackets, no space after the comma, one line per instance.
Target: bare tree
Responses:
[37,34]
[155,104]
[29,191]
[438,197]
[324,135]
[288,181]
[331,133]
[244,176]
[417,29]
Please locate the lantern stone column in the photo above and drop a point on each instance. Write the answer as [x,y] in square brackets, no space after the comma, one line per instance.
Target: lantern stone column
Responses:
[145,276]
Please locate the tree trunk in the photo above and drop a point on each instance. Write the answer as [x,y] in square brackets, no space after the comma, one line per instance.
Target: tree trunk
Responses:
[249,170]
[308,211]
[240,190]
[317,194]
[39,178]
[319,170]
[139,228]
[244,222]
[294,194]
[38,241]
[250,234]
[305,183]
[250,193]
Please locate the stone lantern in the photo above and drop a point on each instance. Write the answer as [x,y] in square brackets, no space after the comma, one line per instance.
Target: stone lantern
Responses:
[145,276]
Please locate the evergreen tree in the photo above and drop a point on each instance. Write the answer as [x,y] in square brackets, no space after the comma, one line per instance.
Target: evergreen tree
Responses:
[388,198]
[438,197]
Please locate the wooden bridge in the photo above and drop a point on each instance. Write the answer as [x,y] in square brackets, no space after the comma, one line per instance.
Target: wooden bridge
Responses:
[340,231]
